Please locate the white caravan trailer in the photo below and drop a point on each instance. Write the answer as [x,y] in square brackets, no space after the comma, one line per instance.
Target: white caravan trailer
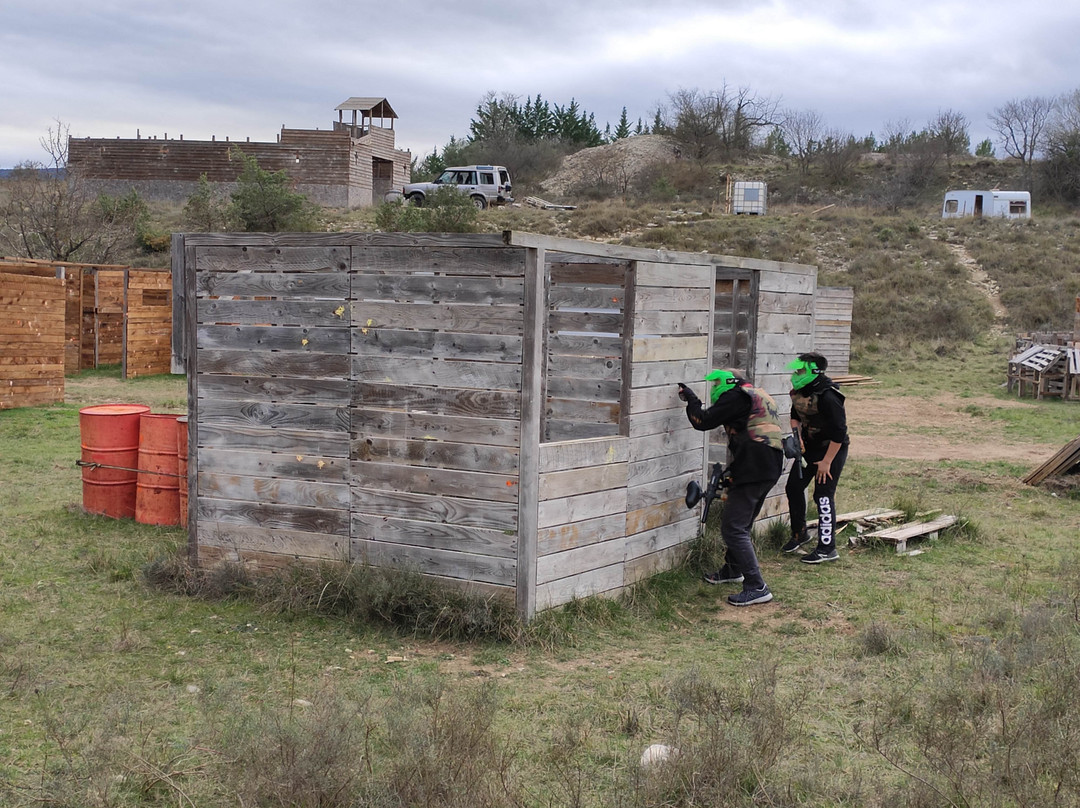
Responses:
[1007,204]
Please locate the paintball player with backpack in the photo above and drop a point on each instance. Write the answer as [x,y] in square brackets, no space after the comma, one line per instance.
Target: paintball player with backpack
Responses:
[755,462]
[818,415]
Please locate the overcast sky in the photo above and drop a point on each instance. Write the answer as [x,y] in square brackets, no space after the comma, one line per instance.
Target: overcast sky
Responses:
[112,68]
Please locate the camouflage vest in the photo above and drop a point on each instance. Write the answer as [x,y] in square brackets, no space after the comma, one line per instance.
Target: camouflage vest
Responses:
[763,425]
[807,406]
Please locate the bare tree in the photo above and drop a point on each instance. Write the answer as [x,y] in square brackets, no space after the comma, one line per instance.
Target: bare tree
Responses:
[719,122]
[803,129]
[50,213]
[950,129]
[1020,125]
[838,154]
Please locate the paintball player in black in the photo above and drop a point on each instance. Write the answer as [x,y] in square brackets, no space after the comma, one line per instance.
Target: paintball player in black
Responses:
[817,413]
[755,462]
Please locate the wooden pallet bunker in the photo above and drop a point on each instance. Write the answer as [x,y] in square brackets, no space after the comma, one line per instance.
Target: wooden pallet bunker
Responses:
[497,411]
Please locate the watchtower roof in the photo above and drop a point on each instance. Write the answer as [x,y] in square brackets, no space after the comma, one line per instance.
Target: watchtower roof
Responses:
[374,107]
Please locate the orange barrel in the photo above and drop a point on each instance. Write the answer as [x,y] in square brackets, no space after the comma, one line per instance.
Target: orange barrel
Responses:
[157,496]
[110,436]
[181,465]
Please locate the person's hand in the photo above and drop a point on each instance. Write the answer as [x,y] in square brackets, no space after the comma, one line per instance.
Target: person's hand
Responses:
[683,390]
[824,471]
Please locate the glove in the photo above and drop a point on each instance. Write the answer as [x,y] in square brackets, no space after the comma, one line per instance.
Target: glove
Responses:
[686,394]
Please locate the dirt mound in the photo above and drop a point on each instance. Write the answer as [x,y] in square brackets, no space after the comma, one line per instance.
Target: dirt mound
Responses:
[617,164]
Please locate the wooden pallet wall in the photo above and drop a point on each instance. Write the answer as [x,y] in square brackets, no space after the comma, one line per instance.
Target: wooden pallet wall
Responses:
[832,326]
[72,274]
[31,340]
[147,347]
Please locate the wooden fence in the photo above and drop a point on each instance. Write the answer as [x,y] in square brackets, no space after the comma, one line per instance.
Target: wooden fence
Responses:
[31,340]
[113,314]
[496,411]
[832,326]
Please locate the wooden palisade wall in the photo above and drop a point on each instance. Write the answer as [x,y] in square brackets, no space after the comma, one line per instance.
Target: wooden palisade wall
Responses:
[498,411]
[832,326]
[31,340]
[147,345]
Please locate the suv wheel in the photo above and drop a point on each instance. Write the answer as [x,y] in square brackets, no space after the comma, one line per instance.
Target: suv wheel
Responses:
[416,199]
[479,201]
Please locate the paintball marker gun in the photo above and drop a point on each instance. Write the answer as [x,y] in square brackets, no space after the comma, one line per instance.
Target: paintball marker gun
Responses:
[793,448]
[694,494]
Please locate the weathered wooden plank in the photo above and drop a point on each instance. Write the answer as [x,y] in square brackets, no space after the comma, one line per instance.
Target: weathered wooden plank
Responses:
[308,313]
[275,338]
[606,322]
[675,323]
[657,349]
[656,515]
[585,584]
[784,303]
[595,298]
[265,464]
[294,285]
[315,417]
[579,534]
[444,401]
[576,273]
[448,290]
[419,425]
[671,489]
[654,298]
[270,516]
[790,279]
[253,257]
[654,374]
[273,490]
[425,507]
[650,273]
[289,544]
[436,454]
[660,444]
[440,373]
[273,439]
[590,412]
[578,454]
[476,319]
[658,421]
[447,563]
[436,481]
[584,388]
[659,468]
[267,363]
[471,256]
[580,507]
[555,430]
[592,367]
[436,344]
[459,538]
[266,389]
[584,345]
[561,484]
[776,323]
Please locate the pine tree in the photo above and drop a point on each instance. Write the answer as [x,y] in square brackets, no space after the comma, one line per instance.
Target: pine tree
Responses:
[623,129]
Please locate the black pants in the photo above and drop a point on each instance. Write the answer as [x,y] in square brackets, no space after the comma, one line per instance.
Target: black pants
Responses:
[741,508]
[824,498]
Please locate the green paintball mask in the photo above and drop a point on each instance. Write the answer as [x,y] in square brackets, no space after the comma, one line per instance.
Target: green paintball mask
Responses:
[723,380]
[802,373]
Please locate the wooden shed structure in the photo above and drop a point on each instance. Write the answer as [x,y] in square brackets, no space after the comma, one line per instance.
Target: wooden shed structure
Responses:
[499,411]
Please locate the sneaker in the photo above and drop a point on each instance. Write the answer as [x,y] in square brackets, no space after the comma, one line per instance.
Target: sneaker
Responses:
[748,597]
[797,540]
[724,575]
[820,555]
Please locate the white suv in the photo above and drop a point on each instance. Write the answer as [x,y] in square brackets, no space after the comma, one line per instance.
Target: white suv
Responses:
[484,185]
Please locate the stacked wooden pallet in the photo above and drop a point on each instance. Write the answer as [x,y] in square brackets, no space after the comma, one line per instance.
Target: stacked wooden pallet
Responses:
[876,523]
[1064,461]
[854,380]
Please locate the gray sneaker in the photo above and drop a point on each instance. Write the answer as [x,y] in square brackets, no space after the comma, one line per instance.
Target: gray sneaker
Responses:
[797,540]
[820,555]
[749,597]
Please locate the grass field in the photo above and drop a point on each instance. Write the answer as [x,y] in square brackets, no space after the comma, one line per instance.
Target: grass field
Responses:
[945,678]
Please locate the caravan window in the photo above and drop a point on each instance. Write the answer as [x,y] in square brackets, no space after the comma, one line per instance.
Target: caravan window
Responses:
[950,205]
[1017,207]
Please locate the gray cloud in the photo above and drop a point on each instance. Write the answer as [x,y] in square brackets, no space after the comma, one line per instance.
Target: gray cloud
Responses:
[223,68]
